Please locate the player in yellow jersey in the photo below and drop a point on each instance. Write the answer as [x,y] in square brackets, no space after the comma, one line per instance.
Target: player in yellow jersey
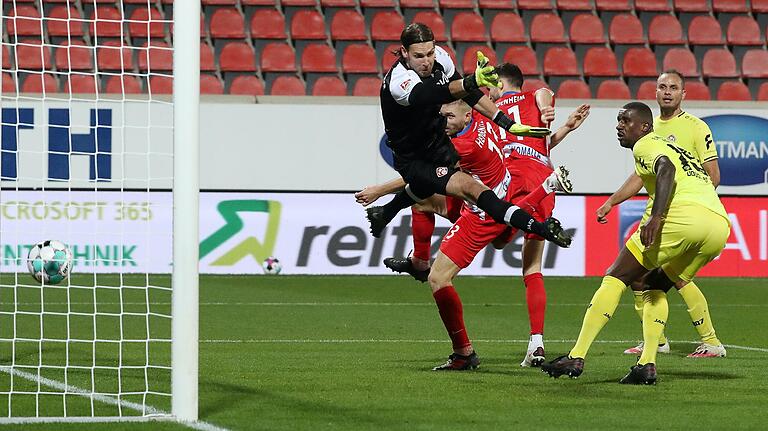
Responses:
[684,227]
[693,135]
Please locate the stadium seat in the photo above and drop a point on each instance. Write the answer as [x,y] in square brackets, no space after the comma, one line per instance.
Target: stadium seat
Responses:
[469,62]
[6,57]
[147,22]
[287,86]
[507,27]
[560,61]
[697,90]
[80,84]
[275,57]
[207,62]
[74,56]
[613,5]
[247,85]
[125,84]
[468,27]
[456,4]
[292,3]
[434,21]
[613,89]
[646,91]
[155,56]
[338,3]
[8,83]
[227,23]
[718,63]
[387,25]
[39,83]
[754,64]
[665,30]
[574,89]
[730,6]
[307,24]
[367,86]
[388,58]
[204,2]
[31,55]
[533,84]
[111,55]
[587,28]
[377,3]
[329,86]
[534,4]
[691,5]
[496,4]
[705,30]
[160,85]
[600,61]
[268,24]
[682,60]
[359,58]
[25,20]
[762,91]
[733,90]
[210,84]
[574,5]
[417,4]
[759,6]
[639,62]
[318,57]
[626,29]
[64,21]
[524,57]
[106,21]
[743,30]
[547,28]
[652,5]
[348,24]
[239,57]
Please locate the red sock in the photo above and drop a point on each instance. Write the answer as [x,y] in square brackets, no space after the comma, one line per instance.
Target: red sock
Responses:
[422,225]
[452,313]
[529,202]
[536,297]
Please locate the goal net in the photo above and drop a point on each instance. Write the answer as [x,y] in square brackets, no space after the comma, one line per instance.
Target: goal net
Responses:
[88,159]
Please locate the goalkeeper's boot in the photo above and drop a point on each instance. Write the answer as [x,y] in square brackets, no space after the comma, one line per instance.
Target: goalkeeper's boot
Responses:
[558,180]
[638,350]
[458,362]
[705,350]
[406,265]
[564,366]
[640,375]
[553,231]
[534,358]
[375,217]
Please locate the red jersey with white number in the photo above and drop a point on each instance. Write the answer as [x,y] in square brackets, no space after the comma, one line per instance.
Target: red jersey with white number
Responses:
[522,108]
[480,152]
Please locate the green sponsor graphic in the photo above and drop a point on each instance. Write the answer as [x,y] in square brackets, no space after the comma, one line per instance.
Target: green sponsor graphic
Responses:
[233,224]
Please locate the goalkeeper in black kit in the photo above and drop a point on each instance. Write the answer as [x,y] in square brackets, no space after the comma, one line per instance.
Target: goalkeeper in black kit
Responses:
[418,83]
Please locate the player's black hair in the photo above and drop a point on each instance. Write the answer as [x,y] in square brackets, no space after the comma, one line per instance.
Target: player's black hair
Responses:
[415,32]
[510,72]
[642,110]
[675,72]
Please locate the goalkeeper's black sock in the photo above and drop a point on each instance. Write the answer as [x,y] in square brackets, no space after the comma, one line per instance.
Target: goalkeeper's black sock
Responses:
[400,201]
[505,213]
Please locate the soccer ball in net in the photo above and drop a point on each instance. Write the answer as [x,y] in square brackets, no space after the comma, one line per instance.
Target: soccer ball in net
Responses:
[49,262]
[271,266]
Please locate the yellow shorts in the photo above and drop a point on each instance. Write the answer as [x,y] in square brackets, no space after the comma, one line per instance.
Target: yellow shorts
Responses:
[691,237]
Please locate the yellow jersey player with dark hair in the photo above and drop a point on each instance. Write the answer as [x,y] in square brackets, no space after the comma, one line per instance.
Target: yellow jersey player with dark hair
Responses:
[684,227]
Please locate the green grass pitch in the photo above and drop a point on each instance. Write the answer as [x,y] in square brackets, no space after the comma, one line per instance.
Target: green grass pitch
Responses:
[354,353]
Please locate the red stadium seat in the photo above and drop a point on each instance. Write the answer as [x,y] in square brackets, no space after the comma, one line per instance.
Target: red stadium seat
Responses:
[574,89]
[227,23]
[247,85]
[665,30]
[507,27]
[560,61]
[417,4]
[318,57]
[159,84]
[64,21]
[275,57]
[338,3]
[37,83]
[388,58]
[496,4]
[377,3]
[691,5]
[587,28]
[533,85]
[548,28]
[207,63]
[652,5]
[705,30]
[112,55]
[80,84]
[329,86]
[682,60]
[156,56]
[762,91]
[74,56]
[614,89]
[359,58]
[613,5]
[719,63]
[697,90]
[574,5]
[469,62]
[25,20]
[9,84]
[524,57]
[534,4]
[743,30]
[32,55]
[600,61]
[367,86]
[387,25]
[287,86]
[730,6]
[755,64]
[733,90]
[268,24]
[6,57]
[468,27]
[204,2]
[307,24]
[759,6]
[456,4]
[239,57]
[125,84]
[626,29]
[299,2]
[348,24]
[147,22]
[108,22]
[210,84]
[434,21]
[646,91]
[639,62]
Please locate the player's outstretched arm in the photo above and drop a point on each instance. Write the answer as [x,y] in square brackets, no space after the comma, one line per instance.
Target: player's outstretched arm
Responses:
[369,194]
[665,182]
[575,119]
[713,170]
[631,187]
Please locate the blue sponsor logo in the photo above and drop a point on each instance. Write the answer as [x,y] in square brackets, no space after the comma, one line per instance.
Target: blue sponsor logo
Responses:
[630,214]
[742,148]
[386,152]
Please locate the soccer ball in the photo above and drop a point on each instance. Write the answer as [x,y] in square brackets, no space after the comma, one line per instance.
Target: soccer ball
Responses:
[271,266]
[49,262]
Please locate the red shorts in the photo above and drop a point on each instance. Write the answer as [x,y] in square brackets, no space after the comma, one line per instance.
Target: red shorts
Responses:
[527,174]
[468,236]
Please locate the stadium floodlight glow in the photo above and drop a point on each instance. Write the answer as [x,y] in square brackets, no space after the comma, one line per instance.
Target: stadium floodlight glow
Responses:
[102,156]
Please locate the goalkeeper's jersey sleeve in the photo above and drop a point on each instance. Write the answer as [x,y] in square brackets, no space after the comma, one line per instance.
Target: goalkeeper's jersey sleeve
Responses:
[693,185]
[690,133]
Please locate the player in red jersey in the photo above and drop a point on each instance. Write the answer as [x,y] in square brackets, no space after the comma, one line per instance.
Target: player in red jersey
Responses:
[527,159]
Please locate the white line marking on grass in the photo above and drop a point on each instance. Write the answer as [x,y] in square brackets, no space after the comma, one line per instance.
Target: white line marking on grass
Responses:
[374,304]
[69,389]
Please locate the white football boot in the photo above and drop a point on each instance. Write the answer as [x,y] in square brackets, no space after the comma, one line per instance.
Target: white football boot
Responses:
[705,350]
[637,350]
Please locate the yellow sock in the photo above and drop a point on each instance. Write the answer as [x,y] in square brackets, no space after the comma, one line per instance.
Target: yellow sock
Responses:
[639,304]
[600,309]
[699,311]
[655,315]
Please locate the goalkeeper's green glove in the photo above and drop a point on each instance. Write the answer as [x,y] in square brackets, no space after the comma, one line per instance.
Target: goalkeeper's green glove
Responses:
[523,130]
[484,76]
